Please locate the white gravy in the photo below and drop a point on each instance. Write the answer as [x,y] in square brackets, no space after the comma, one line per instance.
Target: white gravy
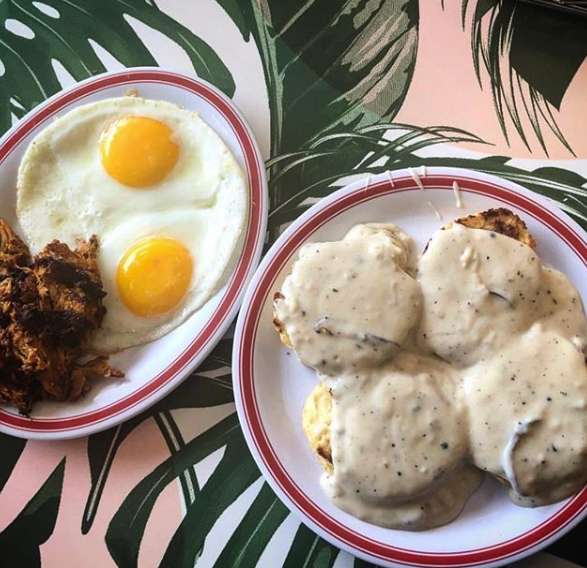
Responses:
[479,288]
[350,304]
[433,509]
[417,434]
[528,415]
[475,364]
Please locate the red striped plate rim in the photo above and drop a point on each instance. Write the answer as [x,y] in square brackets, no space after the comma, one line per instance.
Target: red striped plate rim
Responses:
[248,401]
[155,387]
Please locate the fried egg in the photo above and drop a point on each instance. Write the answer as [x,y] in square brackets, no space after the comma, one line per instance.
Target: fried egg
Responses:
[162,192]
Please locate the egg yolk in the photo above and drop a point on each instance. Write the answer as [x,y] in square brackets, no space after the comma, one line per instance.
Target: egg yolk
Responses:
[153,276]
[138,151]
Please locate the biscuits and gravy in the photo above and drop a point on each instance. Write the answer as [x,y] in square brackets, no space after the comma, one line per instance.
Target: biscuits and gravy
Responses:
[431,372]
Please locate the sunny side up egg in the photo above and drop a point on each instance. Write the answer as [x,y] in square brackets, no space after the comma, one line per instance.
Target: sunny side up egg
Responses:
[160,189]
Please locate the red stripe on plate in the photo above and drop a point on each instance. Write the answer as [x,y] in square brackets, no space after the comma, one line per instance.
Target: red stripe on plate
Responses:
[245,264]
[302,502]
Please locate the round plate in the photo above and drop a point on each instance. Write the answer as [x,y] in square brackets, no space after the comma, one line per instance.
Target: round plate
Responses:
[153,369]
[271,384]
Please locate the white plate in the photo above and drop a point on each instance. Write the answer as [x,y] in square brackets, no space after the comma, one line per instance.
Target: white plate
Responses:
[271,385]
[154,369]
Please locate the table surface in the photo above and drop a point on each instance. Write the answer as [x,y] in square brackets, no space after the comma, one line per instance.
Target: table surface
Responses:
[299,71]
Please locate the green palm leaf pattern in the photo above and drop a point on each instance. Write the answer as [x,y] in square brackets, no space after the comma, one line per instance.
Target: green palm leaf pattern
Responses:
[20,541]
[351,63]
[234,474]
[364,150]
[11,450]
[308,549]
[209,386]
[562,186]
[352,60]
[62,32]
[127,527]
[102,448]
[507,39]
[247,543]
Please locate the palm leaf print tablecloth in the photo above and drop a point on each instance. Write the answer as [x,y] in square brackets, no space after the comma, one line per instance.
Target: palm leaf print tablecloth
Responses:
[332,90]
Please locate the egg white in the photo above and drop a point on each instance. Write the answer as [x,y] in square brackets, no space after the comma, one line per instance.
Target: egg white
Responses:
[63,192]
[210,240]
[61,177]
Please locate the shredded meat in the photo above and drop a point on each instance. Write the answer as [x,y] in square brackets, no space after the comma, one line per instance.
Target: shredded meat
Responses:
[14,253]
[49,306]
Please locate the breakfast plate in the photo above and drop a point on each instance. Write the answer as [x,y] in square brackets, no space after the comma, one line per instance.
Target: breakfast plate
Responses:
[271,385]
[152,369]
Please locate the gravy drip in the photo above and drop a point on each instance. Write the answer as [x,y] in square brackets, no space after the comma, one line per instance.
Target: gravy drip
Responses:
[416,432]
[433,509]
[399,444]
[477,364]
